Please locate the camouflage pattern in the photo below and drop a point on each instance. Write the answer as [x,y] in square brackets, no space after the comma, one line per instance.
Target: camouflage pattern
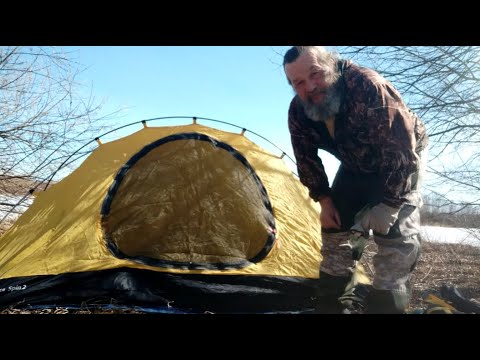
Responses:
[337,254]
[375,132]
[398,252]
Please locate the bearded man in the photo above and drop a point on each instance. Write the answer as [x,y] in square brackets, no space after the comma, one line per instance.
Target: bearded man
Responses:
[358,116]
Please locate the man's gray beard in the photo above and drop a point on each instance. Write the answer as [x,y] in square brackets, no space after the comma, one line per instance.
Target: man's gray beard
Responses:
[326,110]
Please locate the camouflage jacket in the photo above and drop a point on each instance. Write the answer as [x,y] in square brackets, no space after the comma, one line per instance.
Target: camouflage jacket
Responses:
[375,132]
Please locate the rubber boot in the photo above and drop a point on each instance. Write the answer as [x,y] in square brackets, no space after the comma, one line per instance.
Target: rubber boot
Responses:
[354,299]
[330,288]
[387,301]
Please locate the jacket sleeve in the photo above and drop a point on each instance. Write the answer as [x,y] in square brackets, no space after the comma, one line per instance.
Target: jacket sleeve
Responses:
[309,165]
[391,130]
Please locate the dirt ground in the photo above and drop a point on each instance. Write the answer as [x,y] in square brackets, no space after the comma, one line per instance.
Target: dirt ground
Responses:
[440,264]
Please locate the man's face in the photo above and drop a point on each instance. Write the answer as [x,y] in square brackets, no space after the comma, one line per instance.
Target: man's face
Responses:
[308,78]
[315,85]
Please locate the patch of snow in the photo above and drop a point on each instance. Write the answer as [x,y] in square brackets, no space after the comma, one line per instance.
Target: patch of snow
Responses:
[451,235]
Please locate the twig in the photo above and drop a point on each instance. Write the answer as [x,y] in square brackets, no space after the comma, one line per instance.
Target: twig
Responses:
[454,278]
[428,272]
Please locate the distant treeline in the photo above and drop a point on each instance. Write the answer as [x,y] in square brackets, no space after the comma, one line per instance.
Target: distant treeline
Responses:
[436,212]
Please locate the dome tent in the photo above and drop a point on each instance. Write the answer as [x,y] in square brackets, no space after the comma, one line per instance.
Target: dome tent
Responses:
[184,216]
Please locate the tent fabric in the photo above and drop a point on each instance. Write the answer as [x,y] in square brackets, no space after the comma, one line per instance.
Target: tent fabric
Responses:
[62,232]
[221,219]
[175,213]
[195,293]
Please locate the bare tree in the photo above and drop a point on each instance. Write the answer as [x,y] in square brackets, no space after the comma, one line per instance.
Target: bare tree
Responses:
[44,116]
[442,85]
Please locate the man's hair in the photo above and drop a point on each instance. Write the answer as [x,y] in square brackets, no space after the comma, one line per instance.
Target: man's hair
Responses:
[324,57]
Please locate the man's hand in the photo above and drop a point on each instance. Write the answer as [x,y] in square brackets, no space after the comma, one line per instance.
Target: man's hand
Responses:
[329,216]
[380,219]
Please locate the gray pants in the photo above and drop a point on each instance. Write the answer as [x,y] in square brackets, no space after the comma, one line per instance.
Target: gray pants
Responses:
[398,251]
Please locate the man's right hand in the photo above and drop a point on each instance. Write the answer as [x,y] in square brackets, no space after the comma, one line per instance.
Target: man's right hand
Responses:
[329,216]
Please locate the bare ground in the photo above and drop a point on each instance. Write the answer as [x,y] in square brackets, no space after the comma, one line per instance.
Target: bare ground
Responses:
[439,264]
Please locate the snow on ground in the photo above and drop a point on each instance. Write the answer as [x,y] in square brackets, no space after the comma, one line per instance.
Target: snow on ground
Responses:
[451,235]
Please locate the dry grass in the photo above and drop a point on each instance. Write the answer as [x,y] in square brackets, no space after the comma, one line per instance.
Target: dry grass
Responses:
[5,225]
[15,186]
[453,264]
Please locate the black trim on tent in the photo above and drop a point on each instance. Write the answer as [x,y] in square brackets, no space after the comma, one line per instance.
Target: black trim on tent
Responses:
[196,293]
[112,246]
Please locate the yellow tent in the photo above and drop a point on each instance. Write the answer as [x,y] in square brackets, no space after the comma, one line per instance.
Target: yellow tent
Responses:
[172,213]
